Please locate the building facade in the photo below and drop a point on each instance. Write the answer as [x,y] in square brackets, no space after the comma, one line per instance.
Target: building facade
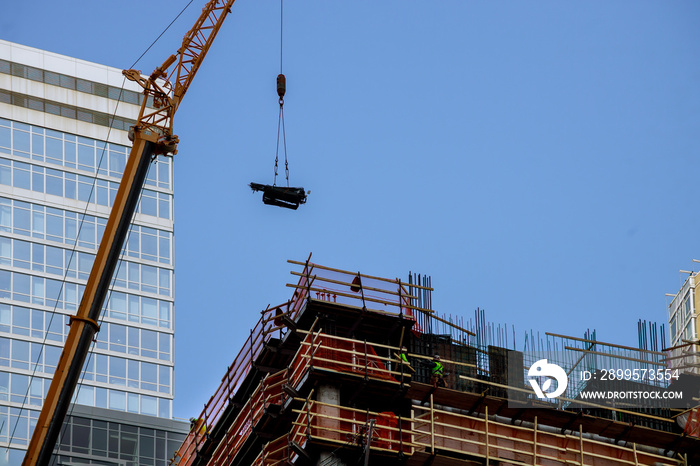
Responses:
[684,326]
[683,313]
[63,146]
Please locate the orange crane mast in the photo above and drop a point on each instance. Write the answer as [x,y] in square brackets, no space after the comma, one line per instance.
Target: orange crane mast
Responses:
[152,135]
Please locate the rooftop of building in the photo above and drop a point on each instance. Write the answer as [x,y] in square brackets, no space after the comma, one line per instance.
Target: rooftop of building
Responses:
[345,330]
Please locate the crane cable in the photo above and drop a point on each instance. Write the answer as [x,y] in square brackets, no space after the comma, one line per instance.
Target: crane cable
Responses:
[281,88]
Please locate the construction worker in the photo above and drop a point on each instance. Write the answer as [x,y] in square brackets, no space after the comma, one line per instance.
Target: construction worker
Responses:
[198,426]
[402,355]
[437,372]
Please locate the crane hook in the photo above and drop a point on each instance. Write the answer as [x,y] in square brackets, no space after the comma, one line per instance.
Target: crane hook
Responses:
[281,87]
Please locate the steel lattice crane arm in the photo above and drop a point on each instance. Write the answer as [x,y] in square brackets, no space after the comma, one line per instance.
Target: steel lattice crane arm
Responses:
[152,135]
[167,85]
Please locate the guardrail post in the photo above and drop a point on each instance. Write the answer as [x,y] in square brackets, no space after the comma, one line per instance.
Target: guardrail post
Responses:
[311,350]
[370,431]
[366,362]
[308,279]
[251,349]
[534,446]
[486,429]
[362,291]
[308,420]
[432,429]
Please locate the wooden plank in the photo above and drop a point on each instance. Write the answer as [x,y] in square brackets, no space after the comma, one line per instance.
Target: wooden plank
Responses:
[360,298]
[337,282]
[600,353]
[379,345]
[362,275]
[603,343]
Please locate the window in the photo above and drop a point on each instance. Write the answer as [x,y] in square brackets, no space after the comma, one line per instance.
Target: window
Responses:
[54,182]
[163,172]
[149,311]
[5,318]
[20,355]
[133,403]
[54,150]
[5,137]
[117,371]
[20,320]
[85,396]
[21,254]
[149,343]
[149,279]
[86,155]
[6,172]
[149,376]
[117,400]
[133,373]
[20,142]
[5,284]
[149,203]
[117,338]
[149,405]
[672,326]
[164,346]
[117,305]
[164,379]
[51,356]
[22,175]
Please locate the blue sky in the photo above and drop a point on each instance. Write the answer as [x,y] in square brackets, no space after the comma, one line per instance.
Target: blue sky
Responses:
[536,159]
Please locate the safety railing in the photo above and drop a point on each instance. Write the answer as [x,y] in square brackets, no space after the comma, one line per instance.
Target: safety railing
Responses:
[684,358]
[300,364]
[361,291]
[286,449]
[348,426]
[315,282]
[518,444]
[270,322]
[230,383]
[429,429]
[319,351]
[355,357]
[269,392]
[276,452]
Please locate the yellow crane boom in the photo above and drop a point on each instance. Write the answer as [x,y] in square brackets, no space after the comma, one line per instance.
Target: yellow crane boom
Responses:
[152,135]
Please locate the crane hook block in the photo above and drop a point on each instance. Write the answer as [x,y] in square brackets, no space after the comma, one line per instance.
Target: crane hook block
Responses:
[281,85]
[289,198]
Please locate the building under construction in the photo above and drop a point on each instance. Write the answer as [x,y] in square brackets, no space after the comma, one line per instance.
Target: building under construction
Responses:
[321,381]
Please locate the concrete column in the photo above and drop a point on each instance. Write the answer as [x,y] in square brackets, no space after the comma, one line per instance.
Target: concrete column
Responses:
[329,394]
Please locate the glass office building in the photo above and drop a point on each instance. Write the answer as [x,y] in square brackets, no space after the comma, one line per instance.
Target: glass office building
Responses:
[63,147]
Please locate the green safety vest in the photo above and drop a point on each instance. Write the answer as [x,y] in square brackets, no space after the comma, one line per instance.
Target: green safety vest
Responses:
[437,368]
[403,357]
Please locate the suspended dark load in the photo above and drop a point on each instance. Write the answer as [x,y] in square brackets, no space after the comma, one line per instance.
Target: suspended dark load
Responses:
[287,197]
[280,196]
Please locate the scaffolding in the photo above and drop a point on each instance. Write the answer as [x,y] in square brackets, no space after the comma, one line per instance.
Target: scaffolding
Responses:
[432,429]
[346,329]
[271,321]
